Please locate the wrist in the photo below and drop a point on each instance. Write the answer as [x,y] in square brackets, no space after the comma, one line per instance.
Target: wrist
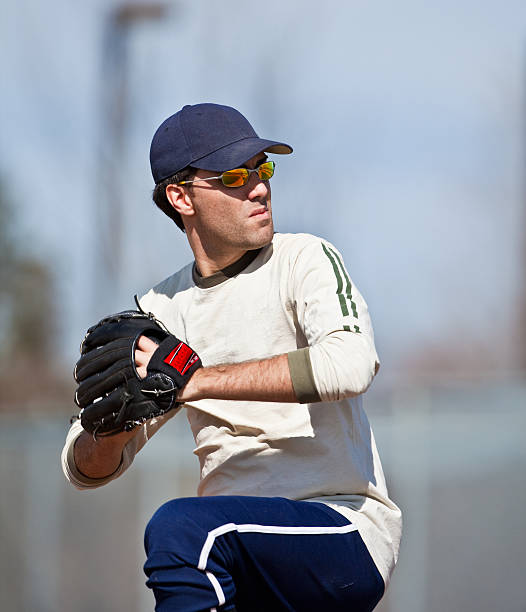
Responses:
[193,388]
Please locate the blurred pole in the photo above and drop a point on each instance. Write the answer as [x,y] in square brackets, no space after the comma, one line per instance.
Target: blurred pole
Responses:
[522,292]
[114,107]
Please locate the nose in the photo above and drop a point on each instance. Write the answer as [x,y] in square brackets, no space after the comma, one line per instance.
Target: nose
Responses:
[258,189]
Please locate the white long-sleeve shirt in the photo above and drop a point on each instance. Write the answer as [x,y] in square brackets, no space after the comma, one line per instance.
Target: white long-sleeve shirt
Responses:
[293,296]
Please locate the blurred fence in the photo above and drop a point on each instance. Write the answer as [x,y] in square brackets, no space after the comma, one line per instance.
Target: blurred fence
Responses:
[455,460]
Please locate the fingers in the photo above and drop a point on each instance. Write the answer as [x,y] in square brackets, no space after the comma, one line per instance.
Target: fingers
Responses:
[143,353]
[145,344]
[100,358]
[112,328]
[101,383]
[102,334]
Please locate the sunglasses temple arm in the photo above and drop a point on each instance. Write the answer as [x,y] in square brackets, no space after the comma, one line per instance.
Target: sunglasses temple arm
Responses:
[198,180]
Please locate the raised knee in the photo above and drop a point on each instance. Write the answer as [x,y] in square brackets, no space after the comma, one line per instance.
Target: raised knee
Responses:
[171,518]
[185,520]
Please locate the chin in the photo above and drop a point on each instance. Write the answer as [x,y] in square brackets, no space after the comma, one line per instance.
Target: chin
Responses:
[255,237]
[264,237]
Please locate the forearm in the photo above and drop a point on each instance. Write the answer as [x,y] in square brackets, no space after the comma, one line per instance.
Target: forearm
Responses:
[101,457]
[266,380]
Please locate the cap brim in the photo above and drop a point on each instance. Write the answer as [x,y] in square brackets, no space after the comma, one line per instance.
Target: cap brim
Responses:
[237,153]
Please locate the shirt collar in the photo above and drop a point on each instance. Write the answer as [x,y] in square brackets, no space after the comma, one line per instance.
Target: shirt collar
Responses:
[205,282]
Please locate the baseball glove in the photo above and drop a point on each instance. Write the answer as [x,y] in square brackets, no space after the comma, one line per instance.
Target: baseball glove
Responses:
[111,395]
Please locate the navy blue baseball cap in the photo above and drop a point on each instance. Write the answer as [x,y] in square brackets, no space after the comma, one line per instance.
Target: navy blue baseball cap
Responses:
[206,136]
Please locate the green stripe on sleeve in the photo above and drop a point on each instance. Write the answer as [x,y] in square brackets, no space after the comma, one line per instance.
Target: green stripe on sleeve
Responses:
[347,279]
[343,305]
[348,290]
[337,265]
[339,288]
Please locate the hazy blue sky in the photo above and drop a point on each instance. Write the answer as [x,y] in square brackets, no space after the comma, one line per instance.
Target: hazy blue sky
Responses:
[407,124]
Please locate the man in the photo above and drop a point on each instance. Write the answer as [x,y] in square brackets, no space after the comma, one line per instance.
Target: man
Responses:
[292,510]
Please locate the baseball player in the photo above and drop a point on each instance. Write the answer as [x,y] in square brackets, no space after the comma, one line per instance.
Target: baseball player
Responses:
[268,345]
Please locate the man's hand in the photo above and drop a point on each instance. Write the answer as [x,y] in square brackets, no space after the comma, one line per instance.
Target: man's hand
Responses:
[143,353]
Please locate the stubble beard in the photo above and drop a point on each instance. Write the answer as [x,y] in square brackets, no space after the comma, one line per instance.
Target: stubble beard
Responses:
[260,238]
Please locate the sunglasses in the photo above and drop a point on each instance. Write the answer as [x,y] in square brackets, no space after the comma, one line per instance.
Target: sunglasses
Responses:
[239,176]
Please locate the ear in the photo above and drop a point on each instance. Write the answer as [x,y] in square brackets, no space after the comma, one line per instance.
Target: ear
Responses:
[180,200]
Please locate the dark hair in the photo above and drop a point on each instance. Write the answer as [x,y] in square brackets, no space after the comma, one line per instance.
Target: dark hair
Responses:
[159,194]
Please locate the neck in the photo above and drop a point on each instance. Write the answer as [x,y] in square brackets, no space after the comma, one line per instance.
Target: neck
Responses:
[211,260]
[207,266]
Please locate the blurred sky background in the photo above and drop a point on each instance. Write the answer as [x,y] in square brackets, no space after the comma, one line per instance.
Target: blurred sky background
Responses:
[407,121]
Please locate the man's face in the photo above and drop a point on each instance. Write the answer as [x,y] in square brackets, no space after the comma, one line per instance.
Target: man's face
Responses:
[230,219]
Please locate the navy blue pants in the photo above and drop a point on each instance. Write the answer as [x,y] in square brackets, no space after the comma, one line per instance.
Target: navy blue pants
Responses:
[257,554]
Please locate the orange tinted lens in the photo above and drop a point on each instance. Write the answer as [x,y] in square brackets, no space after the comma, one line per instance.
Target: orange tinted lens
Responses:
[266,171]
[235,178]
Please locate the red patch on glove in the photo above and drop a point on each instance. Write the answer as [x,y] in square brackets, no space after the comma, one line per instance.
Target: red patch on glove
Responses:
[181,358]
